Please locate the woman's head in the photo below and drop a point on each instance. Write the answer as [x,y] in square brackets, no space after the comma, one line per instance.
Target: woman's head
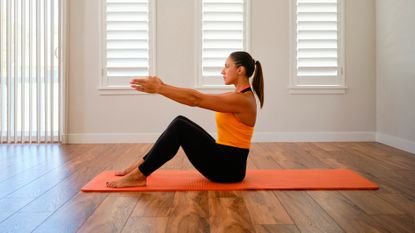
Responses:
[244,60]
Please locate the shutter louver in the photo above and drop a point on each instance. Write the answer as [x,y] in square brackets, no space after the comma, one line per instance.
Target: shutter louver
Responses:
[127,38]
[317,38]
[223,31]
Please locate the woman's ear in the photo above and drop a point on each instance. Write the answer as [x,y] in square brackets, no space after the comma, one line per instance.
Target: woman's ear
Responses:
[241,70]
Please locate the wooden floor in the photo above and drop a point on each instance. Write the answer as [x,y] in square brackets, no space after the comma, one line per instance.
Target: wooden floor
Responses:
[40,192]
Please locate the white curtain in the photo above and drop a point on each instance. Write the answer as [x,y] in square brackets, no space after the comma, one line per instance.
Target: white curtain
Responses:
[31,74]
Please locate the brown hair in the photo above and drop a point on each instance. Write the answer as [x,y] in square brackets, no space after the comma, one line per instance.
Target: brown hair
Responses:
[241,58]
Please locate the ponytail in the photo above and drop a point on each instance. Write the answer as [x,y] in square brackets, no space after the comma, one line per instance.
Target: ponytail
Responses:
[258,83]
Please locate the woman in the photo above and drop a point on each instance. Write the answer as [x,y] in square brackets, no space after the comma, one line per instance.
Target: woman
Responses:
[223,160]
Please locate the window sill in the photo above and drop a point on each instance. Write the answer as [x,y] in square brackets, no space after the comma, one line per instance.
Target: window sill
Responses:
[118,90]
[127,90]
[317,90]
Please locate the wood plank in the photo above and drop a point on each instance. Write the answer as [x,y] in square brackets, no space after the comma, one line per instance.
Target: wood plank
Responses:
[179,161]
[401,180]
[22,197]
[306,213]
[265,208]
[189,213]
[390,156]
[38,210]
[329,157]
[31,158]
[111,215]
[355,161]
[50,179]
[218,194]
[401,202]
[23,222]
[263,158]
[229,215]
[293,156]
[24,158]
[8,206]
[348,215]
[150,213]
[146,225]
[270,228]
[326,146]
[153,204]
[370,203]
[129,155]
[73,214]
[396,223]
[342,158]
[49,202]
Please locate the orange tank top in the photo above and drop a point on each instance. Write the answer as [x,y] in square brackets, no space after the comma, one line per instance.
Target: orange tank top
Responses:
[232,132]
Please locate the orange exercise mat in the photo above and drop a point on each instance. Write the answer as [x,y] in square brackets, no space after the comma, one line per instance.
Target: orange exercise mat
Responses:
[192,180]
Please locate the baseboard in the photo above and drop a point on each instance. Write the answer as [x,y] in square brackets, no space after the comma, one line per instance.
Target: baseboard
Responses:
[314,137]
[258,137]
[111,138]
[393,141]
[396,142]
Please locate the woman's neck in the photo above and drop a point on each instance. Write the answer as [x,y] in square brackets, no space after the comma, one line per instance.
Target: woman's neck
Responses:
[242,87]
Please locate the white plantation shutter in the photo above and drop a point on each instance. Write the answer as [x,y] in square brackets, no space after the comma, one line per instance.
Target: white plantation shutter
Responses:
[223,31]
[318,40]
[128,50]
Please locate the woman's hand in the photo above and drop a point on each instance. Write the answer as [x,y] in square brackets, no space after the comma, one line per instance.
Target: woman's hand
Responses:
[151,84]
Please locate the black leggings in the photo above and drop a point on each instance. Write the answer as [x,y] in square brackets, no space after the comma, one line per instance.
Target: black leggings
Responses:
[218,163]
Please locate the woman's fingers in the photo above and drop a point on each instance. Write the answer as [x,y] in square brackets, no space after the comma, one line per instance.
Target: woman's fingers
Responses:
[148,85]
[137,80]
[134,81]
[139,88]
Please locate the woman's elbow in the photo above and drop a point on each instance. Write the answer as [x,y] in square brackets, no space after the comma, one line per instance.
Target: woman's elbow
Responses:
[195,101]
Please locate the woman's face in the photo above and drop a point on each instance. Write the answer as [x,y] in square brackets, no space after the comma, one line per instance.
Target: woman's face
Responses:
[230,72]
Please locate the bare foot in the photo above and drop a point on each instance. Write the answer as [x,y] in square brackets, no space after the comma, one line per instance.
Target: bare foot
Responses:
[133,179]
[130,169]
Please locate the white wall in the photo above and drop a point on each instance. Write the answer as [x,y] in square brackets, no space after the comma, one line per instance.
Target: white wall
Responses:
[96,118]
[396,73]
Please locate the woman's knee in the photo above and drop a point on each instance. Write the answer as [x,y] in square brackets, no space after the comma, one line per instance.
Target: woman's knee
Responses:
[178,124]
[180,118]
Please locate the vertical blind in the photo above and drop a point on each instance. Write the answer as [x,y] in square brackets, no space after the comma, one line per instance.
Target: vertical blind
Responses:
[31,71]
[223,31]
[317,38]
[127,33]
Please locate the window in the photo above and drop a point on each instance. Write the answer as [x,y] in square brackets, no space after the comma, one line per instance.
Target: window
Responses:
[128,49]
[223,28]
[317,47]
[31,71]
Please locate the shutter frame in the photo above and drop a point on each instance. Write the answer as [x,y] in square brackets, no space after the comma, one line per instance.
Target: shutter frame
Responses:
[128,32]
[317,45]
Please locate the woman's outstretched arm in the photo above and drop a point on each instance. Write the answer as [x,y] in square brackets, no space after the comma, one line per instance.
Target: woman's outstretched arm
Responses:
[227,102]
